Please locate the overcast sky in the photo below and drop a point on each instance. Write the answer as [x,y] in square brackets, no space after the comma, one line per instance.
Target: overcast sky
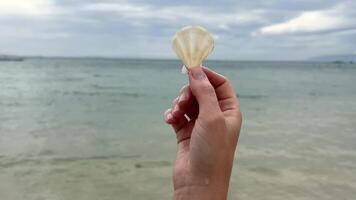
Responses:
[243,29]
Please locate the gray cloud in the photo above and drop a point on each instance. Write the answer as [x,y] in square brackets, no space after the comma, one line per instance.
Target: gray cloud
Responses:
[137,28]
[339,17]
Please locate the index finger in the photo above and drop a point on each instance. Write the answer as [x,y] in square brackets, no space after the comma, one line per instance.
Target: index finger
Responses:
[223,88]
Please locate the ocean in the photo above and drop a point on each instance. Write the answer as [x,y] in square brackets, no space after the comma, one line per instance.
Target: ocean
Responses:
[89,129]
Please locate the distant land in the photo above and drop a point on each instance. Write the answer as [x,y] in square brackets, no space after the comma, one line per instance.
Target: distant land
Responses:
[336,58]
[11,58]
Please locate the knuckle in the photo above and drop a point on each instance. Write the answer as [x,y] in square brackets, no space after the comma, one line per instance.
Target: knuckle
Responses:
[174,102]
[167,111]
[227,81]
[229,84]
[238,116]
[237,113]
[184,88]
[206,89]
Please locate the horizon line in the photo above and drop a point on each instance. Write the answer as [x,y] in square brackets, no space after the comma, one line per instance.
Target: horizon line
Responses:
[140,58]
[153,58]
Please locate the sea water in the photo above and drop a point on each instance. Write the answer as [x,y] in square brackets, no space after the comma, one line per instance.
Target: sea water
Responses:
[94,129]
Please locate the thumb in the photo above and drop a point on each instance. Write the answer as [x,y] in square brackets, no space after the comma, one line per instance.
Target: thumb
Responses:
[203,91]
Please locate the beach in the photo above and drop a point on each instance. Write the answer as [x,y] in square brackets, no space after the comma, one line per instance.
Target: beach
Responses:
[93,129]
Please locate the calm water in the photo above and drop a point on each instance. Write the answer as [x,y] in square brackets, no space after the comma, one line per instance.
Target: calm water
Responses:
[93,129]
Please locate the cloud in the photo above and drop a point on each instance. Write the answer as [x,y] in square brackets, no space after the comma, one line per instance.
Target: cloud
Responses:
[143,28]
[26,7]
[23,33]
[306,22]
[313,21]
[192,14]
[126,8]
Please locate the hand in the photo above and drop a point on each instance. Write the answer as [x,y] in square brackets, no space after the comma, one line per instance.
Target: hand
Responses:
[206,138]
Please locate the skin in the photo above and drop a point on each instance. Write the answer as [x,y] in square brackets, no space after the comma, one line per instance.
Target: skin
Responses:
[206,138]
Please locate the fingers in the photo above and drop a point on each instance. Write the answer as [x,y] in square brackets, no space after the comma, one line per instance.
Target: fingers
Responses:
[203,91]
[185,99]
[183,105]
[176,122]
[223,89]
[222,86]
[228,101]
[168,117]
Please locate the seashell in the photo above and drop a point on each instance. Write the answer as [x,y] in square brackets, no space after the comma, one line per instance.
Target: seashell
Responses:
[192,45]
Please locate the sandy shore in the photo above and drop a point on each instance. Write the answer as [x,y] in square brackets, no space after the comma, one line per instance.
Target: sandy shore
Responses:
[257,172]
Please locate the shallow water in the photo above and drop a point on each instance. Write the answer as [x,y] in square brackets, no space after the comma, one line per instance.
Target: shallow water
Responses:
[93,129]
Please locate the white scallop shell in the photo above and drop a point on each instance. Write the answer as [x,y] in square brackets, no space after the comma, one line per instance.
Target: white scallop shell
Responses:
[192,45]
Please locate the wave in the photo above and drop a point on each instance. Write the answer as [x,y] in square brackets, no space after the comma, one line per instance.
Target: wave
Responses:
[71,79]
[102,75]
[9,162]
[252,96]
[102,87]
[99,93]
[10,104]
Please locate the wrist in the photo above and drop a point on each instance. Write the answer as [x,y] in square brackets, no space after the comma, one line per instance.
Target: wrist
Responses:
[197,192]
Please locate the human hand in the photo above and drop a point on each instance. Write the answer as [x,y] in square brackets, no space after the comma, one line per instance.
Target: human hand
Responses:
[207,139]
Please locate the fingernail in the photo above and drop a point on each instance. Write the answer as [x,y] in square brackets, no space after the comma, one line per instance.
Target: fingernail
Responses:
[197,73]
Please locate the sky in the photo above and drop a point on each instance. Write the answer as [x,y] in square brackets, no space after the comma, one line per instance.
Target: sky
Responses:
[243,29]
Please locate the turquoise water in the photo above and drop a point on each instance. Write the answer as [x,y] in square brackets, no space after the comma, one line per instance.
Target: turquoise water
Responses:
[93,128]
